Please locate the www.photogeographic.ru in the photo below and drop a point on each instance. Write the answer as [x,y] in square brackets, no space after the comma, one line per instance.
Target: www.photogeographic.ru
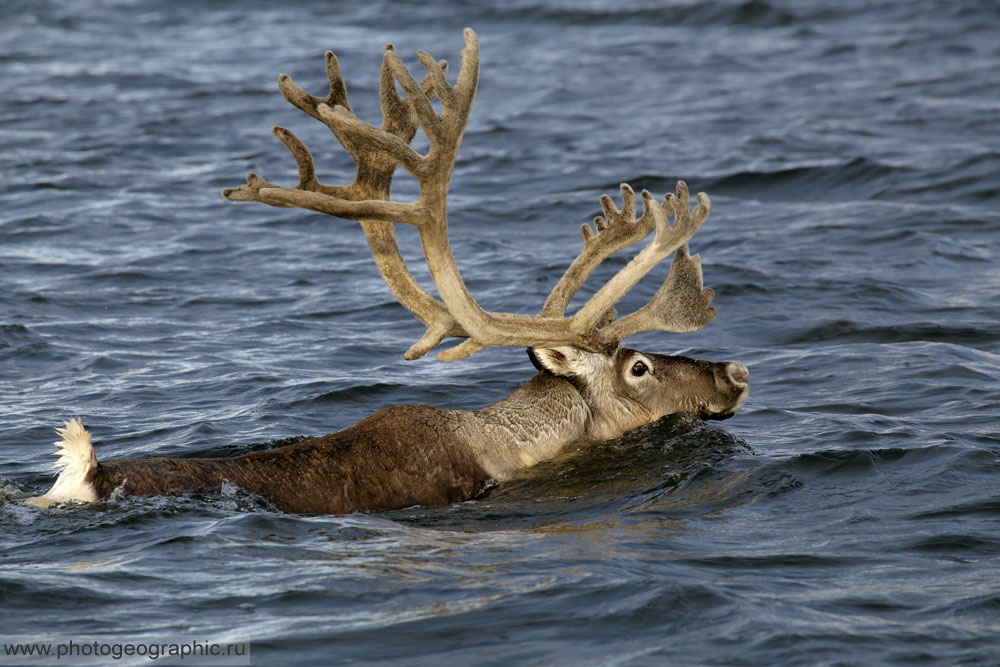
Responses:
[98,651]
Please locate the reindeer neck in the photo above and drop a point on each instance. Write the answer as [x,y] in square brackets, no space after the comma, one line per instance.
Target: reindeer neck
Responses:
[532,424]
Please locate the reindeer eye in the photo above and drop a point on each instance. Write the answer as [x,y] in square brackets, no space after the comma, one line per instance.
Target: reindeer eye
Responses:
[639,368]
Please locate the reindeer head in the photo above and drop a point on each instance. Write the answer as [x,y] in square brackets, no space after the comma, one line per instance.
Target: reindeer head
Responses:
[628,388]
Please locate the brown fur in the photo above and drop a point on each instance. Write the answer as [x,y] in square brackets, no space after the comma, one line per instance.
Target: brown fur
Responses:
[420,455]
[397,457]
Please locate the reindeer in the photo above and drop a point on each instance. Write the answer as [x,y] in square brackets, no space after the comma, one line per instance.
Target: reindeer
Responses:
[588,387]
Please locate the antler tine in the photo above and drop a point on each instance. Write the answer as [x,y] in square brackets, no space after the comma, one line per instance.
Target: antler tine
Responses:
[468,77]
[398,114]
[250,191]
[435,76]
[307,169]
[332,200]
[616,231]
[365,209]
[351,130]
[681,304]
[303,158]
[335,201]
[444,130]
[429,119]
[665,241]
[308,103]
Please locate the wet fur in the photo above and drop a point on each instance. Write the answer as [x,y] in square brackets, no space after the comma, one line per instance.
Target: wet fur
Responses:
[374,465]
[421,455]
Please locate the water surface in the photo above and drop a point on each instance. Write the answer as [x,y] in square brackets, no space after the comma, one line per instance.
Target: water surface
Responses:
[848,515]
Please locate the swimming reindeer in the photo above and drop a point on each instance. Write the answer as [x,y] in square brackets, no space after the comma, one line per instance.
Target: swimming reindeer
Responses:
[588,387]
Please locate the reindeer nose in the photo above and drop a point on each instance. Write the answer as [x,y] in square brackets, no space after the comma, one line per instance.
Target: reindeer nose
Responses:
[738,373]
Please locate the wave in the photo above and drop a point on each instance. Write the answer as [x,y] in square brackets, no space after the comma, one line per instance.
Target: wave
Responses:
[645,469]
[860,178]
[970,179]
[756,13]
[849,331]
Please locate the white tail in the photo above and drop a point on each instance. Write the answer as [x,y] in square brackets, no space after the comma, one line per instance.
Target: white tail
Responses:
[76,458]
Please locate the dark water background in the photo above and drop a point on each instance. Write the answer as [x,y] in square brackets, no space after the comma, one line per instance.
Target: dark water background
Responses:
[850,514]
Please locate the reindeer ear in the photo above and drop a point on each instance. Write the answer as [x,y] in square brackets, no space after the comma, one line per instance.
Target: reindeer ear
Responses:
[566,362]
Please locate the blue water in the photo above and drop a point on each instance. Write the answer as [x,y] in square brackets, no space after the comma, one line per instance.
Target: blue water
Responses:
[850,514]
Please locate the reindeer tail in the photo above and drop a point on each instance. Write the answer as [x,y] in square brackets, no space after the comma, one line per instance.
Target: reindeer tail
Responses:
[77,459]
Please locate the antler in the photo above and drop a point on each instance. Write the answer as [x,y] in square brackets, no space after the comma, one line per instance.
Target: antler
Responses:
[685,288]
[680,305]
[370,189]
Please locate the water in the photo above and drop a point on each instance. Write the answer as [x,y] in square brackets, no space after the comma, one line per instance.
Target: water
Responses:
[848,515]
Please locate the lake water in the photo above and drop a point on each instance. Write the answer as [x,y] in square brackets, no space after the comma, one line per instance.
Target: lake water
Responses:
[849,514]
